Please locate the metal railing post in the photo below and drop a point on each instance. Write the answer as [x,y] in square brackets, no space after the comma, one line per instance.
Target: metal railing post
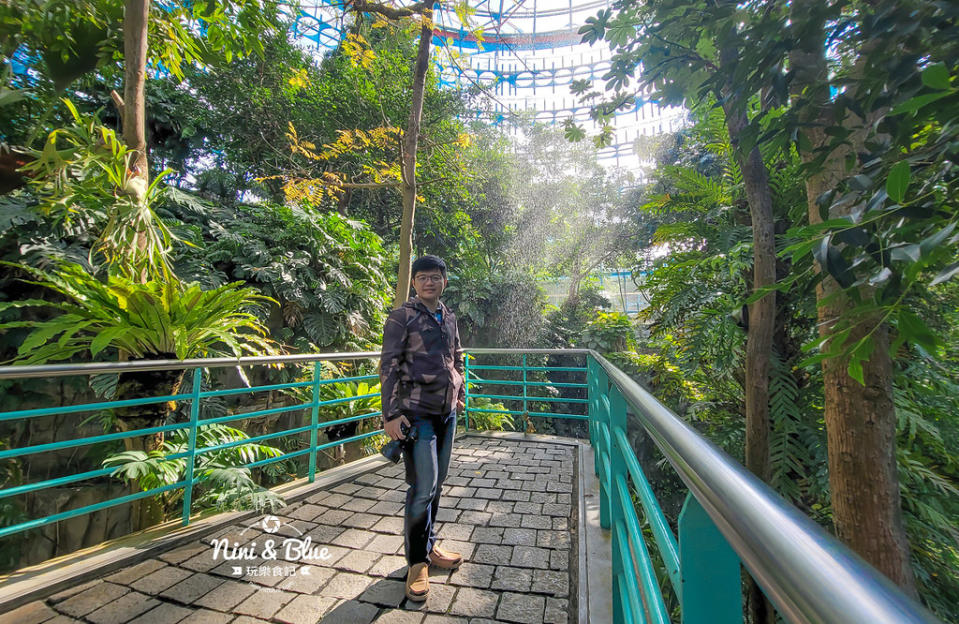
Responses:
[191,444]
[314,418]
[466,383]
[525,395]
[709,569]
[617,520]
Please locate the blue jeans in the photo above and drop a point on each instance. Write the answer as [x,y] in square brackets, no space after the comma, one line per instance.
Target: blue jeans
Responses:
[427,463]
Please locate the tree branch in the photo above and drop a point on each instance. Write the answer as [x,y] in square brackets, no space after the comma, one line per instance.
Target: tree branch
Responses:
[362,6]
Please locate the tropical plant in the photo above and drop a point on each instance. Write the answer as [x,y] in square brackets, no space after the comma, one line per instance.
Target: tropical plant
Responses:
[608,332]
[222,479]
[141,320]
[489,416]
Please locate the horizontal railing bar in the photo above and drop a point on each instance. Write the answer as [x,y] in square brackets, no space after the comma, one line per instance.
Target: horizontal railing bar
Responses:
[492,411]
[297,384]
[530,399]
[113,502]
[61,370]
[564,369]
[494,351]
[248,415]
[254,440]
[650,586]
[665,539]
[92,407]
[808,574]
[508,382]
[559,415]
[42,485]
[107,437]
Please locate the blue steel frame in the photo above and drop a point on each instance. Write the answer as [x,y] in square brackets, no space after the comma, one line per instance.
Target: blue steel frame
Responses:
[809,575]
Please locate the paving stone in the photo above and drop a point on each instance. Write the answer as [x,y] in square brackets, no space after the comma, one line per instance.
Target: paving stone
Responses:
[553,539]
[358,561]
[433,618]
[368,479]
[161,579]
[333,517]
[519,537]
[564,498]
[353,538]
[307,579]
[559,560]
[475,517]
[552,582]
[63,619]
[386,544]
[394,496]
[305,609]
[393,526]
[536,522]
[475,504]
[264,603]
[447,515]
[557,611]
[329,498]
[507,520]
[455,531]
[246,619]
[205,616]
[351,612]
[129,574]
[530,557]
[464,492]
[92,598]
[392,482]
[493,554]
[500,506]
[560,524]
[347,488]
[308,512]
[122,609]
[399,616]
[324,533]
[465,549]
[226,596]
[521,608]
[358,504]
[386,508]
[164,613]
[512,579]
[493,493]
[474,602]
[31,613]
[191,588]
[346,585]
[472,575]
[361,520]
[487,535]
[370,491]
[385,593]
[482,483]
[440,598]
[203,562]
[390,566]
[528,508]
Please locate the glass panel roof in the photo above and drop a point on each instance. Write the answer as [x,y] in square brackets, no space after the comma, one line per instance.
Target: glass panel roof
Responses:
[529,55]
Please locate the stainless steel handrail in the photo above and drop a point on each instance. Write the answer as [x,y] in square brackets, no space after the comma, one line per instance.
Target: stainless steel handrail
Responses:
[808,574]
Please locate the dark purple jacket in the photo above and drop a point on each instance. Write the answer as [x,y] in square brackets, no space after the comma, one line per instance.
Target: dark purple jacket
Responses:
[421,365]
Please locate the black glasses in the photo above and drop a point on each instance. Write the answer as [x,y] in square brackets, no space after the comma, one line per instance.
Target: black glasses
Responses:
[436,279]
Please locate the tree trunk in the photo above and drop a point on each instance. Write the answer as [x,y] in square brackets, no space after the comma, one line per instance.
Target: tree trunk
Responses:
[860,418]
[762,313]
[135,20]
[410,140]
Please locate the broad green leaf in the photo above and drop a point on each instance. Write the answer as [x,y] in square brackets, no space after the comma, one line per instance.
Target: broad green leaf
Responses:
[936,76]
[898,181]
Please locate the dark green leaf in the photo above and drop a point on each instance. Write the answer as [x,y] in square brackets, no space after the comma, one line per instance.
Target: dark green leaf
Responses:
[898,181]
[936,76]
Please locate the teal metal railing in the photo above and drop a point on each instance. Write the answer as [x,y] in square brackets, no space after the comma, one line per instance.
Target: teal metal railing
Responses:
[728,517]
[193,425]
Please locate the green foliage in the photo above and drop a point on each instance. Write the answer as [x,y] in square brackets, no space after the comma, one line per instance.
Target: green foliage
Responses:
[156,318]
[327,273]
[608,332]
[222,480]
[492,417]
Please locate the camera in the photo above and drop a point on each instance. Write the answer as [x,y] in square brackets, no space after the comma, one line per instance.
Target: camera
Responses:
[393,449]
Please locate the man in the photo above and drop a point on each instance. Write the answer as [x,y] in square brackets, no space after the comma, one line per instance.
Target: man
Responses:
[422,383]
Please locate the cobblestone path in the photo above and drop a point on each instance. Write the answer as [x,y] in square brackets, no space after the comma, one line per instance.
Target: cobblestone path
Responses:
[508,506]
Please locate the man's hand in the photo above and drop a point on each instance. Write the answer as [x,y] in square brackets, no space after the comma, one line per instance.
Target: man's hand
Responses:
[392,428]
[460,406]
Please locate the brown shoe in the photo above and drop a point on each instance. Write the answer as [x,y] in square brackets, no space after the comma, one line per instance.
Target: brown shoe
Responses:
[418,582]
[445,559]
